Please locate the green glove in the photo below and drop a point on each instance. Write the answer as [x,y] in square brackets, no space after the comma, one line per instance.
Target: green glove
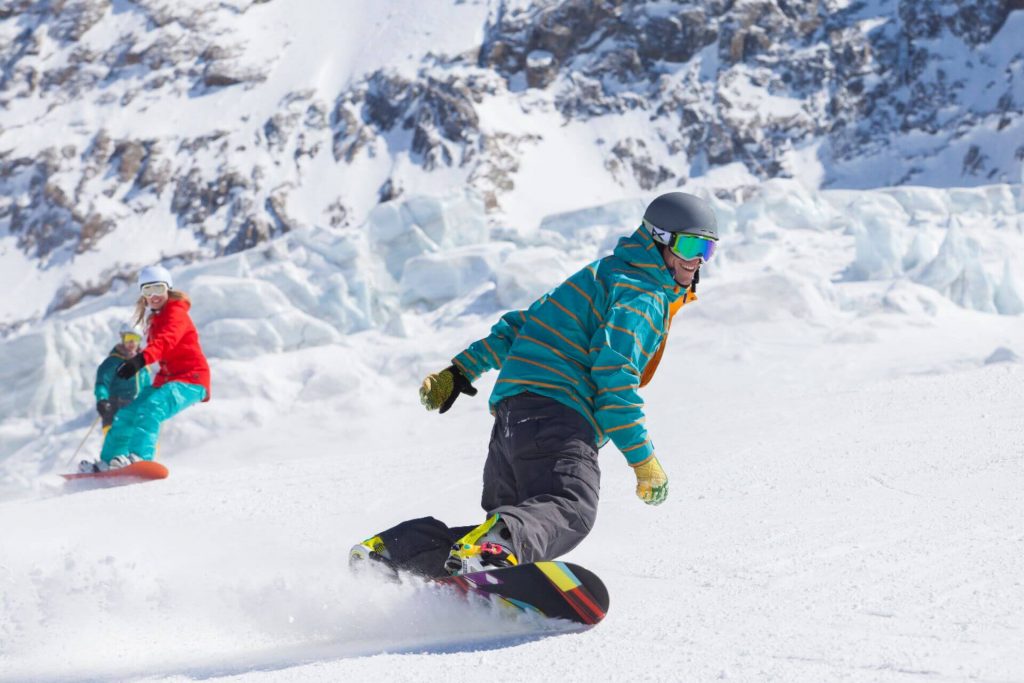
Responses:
[651,482]
[440,389]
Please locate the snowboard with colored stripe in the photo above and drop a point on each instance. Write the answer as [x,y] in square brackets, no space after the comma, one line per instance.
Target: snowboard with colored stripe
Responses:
[554,589]
[144,469]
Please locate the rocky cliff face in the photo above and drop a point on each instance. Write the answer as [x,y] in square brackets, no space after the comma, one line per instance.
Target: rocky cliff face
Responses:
[876,92]
[749,81]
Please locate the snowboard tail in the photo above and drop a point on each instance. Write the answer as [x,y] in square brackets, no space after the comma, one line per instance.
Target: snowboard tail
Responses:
[144,469]
[559,590]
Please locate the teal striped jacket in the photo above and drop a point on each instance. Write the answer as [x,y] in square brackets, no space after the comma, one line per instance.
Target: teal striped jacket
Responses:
[590,343]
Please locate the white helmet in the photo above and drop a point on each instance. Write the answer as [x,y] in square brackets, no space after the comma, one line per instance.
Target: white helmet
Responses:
[151,274]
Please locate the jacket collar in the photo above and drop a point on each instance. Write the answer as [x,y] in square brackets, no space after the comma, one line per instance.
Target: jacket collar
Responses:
[641,251]
[172,302]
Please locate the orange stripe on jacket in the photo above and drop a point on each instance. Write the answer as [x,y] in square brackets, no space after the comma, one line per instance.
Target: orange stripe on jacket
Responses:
[652,365]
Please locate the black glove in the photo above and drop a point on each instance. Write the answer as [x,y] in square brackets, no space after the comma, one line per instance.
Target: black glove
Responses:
[440,389]
[128,368]
[103,408]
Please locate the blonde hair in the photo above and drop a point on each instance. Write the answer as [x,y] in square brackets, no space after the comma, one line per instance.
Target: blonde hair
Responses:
[141,315]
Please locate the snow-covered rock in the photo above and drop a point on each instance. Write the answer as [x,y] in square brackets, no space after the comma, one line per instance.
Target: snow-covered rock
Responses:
[267,124]
[787,253]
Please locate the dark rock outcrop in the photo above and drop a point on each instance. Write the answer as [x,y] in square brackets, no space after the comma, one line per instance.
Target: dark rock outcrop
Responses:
[703,84]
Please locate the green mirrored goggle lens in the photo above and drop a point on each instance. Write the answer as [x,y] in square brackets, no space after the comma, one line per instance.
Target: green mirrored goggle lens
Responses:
[691,247]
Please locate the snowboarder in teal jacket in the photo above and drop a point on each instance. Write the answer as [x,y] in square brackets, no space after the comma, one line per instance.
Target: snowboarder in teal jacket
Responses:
[113,393]
[570,369]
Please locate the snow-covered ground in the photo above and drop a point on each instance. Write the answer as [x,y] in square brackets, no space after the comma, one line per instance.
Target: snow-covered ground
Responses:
[840,416]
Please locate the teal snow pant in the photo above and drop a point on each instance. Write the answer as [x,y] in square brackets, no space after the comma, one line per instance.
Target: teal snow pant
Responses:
[137,426]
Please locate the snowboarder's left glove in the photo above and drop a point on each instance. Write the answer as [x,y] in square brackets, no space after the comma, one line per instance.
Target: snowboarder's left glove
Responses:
[440,389]
[103,407]
[127,369]
[651,482]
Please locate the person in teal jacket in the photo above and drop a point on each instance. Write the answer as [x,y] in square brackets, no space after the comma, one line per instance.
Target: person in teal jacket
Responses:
[113,393]
[570,369]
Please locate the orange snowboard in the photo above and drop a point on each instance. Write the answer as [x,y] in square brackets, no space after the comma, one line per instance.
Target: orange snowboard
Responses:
[144,469]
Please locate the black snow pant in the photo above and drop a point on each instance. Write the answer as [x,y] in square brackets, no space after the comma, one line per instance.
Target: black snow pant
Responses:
[541,476]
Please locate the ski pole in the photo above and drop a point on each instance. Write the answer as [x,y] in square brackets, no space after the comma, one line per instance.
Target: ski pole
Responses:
[91,427]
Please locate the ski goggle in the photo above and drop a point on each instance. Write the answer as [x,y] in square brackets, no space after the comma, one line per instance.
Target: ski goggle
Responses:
[131,336]
[154,289]
[683,245]
[690,246]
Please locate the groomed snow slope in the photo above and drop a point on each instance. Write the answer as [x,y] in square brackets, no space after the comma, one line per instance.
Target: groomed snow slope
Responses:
[844,443]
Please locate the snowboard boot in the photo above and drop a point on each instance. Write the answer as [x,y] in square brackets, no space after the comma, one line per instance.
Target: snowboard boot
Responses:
[90,467]
[488,546]
[371,553]
[119,461]
[370,549]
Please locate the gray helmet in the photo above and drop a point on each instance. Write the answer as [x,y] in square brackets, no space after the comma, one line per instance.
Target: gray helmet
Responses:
[676,212]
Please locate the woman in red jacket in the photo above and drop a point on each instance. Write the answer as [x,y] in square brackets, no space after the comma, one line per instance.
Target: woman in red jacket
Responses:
[183,379]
